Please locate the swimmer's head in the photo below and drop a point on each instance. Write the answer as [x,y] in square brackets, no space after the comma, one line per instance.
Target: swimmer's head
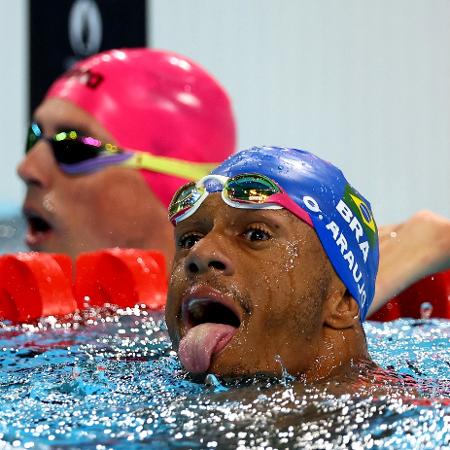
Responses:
[99,125]
[276,261]
[153,101]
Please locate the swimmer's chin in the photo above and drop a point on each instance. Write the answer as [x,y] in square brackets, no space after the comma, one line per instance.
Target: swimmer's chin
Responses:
[240,377]
[234,371]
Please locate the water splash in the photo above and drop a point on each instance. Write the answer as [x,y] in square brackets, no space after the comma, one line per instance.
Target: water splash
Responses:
[286,377]
[212,382]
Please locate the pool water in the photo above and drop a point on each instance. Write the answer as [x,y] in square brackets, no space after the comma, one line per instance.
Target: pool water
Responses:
[110,380]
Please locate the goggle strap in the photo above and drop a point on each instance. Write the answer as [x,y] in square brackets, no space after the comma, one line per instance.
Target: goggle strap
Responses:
[286,202]
[170,166]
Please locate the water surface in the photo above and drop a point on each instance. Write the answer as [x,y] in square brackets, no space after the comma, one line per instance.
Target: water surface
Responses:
[113,382]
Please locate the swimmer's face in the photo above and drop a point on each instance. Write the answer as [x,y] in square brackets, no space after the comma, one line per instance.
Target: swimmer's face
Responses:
[76,213]
[247,291]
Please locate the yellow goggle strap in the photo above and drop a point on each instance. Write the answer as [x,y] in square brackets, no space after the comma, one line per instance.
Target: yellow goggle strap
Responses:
[170,166]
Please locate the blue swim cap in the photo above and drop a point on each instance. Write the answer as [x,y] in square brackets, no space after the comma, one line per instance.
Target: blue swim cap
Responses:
[341,216]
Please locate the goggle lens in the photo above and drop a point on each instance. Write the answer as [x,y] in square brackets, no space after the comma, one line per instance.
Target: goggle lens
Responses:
[68,146]
[186,197]
[250,188]
[34,134]
[68,149]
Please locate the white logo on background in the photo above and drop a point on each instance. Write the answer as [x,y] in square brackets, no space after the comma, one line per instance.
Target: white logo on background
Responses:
[85,27]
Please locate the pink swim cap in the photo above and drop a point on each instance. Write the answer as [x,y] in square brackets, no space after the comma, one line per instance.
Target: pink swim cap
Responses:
[154,101]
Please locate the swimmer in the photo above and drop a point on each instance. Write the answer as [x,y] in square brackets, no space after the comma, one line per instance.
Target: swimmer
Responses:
[112,141]
[275,266]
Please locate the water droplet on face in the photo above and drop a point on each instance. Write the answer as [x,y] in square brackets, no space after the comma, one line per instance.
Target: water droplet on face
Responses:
[48,202]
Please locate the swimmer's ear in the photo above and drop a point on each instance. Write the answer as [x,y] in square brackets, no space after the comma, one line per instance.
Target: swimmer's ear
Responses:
[341,310]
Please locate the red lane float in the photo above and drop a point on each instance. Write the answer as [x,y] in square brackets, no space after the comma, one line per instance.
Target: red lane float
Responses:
[413,302]
[33,285]
[124,277]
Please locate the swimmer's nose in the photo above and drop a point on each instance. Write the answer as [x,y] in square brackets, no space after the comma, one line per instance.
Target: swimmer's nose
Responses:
[36,166]
[208,255]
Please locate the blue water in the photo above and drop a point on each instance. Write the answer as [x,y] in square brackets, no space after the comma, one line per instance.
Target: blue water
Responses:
[113,382]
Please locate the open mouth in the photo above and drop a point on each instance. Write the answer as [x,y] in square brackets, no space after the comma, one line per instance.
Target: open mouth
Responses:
[38,228]
[38,224]
[210,325]
[198,311]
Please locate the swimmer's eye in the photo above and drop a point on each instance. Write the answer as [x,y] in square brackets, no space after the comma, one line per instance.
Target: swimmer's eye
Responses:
[188,240]
[255,233]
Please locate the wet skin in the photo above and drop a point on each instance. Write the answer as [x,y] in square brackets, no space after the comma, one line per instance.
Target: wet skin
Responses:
[108,208]
[269,268]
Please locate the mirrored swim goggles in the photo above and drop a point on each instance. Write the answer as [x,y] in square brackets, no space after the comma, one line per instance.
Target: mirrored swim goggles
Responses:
[77,154]
[247,191]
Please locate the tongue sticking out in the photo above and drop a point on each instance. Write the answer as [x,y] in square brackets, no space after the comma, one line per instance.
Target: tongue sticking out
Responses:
[201,342]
